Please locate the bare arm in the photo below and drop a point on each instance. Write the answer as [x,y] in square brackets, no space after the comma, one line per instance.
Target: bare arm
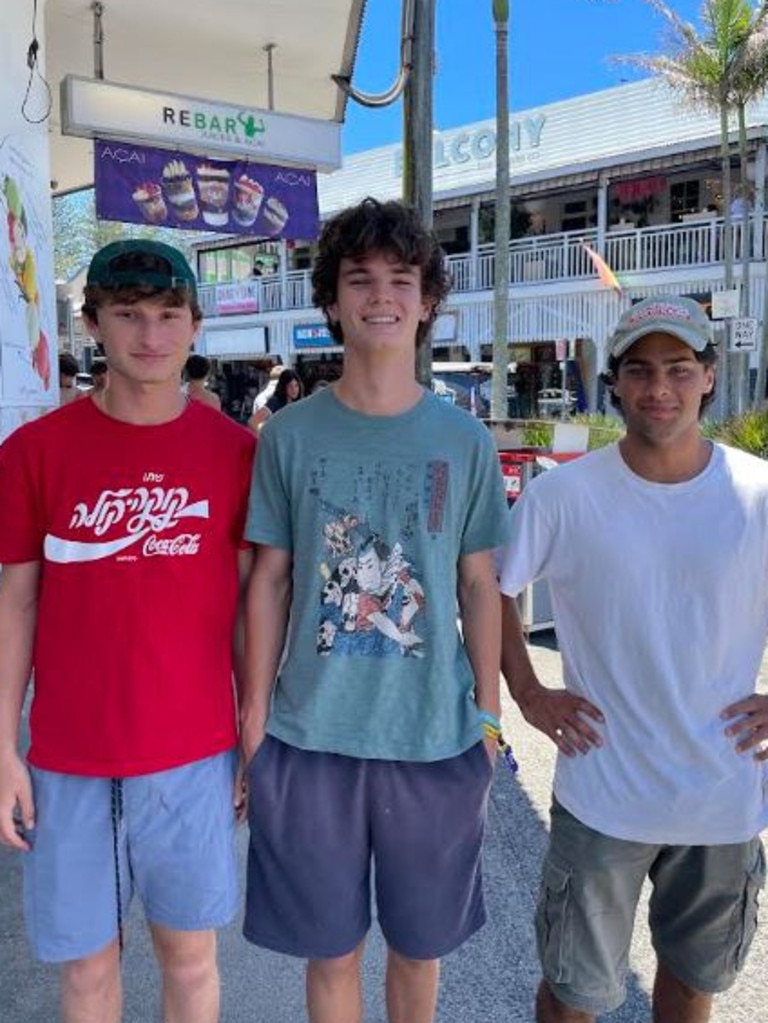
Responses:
[561,715]
[211,398]
[258,418]
[18,617]
[478,595]
[244,568]
[267,608]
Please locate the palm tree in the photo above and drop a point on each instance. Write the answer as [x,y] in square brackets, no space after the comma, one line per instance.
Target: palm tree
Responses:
[750,82]
[709,69]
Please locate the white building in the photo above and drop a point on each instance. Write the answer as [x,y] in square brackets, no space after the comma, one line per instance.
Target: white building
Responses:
[631,171]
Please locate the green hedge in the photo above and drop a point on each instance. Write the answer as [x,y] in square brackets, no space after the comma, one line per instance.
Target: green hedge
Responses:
[748,432]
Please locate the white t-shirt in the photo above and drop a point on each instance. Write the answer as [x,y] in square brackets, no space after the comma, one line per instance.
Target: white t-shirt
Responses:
[660,598]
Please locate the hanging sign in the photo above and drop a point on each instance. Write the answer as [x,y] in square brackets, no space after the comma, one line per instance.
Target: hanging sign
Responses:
[92,108]
[142,185]
[725,304]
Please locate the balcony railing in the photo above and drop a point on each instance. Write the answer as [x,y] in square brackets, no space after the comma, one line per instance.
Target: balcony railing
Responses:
[543,259]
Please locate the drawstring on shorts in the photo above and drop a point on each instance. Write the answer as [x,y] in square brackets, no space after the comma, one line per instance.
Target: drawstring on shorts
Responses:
[116,809]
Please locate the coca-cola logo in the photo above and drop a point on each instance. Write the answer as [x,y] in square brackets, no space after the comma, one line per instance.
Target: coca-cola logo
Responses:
[184,543]
[143,514]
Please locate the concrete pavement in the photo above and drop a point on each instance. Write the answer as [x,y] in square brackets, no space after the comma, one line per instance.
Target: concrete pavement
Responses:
[492,979]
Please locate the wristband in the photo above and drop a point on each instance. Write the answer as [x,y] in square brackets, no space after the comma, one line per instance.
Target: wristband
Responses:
[490,719]
[492,730]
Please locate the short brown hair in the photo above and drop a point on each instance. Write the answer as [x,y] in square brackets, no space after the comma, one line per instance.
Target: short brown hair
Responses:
[95,296]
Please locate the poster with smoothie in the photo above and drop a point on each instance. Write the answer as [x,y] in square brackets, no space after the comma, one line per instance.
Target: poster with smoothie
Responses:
[28,333]
[166,188]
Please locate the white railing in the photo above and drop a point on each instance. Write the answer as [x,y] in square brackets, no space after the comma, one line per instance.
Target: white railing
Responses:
[548,258]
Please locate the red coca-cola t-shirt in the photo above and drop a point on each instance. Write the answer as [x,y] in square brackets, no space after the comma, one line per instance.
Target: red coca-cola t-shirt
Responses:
[137,529]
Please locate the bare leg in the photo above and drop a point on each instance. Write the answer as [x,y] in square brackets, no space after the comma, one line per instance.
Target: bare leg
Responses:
[675,1002]
[190,975]
[334,990]
[91,989]
[551,1010]
[411,988]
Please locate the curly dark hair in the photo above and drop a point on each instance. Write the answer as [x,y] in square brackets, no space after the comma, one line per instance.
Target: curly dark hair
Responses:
[707,357]
[370,227]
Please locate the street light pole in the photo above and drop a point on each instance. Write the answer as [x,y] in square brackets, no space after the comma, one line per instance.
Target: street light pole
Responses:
[499,403]
[417,139]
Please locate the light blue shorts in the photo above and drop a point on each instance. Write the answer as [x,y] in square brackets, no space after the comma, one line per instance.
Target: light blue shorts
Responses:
[168,836]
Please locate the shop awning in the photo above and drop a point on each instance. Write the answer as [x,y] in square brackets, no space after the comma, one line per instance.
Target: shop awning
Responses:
[219,52]
[237,343]
[616,171]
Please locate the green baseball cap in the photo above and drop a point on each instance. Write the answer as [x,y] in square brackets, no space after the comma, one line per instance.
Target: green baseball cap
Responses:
[136,262]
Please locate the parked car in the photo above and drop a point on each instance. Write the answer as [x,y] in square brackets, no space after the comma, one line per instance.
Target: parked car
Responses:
[550,401]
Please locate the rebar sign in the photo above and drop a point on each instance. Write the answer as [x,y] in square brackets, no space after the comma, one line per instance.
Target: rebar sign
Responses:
[743,334]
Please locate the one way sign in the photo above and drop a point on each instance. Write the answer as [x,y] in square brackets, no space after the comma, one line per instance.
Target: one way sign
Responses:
[743,334]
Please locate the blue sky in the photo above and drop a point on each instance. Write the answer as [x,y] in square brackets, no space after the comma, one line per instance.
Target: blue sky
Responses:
[557,49]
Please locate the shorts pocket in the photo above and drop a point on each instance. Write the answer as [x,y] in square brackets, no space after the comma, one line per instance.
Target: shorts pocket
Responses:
[553,924]
[746,924]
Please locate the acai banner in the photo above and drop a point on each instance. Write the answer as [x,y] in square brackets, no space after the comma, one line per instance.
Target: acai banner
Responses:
[141,185]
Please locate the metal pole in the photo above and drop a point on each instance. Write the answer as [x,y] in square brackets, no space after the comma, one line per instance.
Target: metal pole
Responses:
[270,76]
[98,40]
[417,140]
[499,403]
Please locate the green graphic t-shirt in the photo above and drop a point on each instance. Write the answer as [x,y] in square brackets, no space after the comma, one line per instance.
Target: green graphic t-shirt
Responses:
[376,512]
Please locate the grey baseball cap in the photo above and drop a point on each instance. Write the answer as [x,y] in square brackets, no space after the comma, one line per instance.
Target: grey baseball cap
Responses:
[683,318]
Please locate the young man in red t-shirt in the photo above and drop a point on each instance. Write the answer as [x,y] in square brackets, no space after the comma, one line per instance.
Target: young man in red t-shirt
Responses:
[129,783]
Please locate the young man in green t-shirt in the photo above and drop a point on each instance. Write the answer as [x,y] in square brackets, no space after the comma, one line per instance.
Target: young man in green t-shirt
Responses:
[373,506]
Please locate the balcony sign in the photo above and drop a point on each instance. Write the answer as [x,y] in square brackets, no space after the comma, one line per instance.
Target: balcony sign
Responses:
[140,185]
[238,297]
[96,109]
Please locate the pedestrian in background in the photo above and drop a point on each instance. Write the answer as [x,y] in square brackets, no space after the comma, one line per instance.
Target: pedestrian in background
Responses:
[99,375]
[289,389]
[129,783]
[655,550]
[69,367]
[197,370]
[373,505]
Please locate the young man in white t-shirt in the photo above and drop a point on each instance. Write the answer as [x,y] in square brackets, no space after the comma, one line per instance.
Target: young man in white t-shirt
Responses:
[655,550]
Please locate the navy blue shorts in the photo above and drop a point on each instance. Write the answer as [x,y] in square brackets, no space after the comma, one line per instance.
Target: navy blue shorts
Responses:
[319,821]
